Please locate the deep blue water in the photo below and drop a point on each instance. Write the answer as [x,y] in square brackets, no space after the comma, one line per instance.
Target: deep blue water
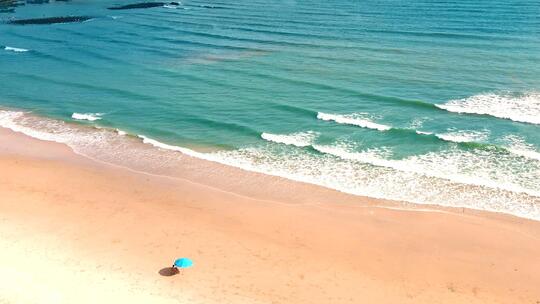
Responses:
[421,101]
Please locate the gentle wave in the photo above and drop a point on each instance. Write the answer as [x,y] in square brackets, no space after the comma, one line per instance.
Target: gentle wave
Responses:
[353,119]
[382,181]
[14,49]
[518,146]
[457,136]
[158,144]
[301,139]
[462,136]
[416,123]
[87,116]
[527,153]
[478,138]
[14,120]
[108,145]
[453,165]
[520,108]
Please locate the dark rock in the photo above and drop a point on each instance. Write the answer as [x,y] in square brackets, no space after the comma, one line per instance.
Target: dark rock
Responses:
[138,5]
[143,5]
[51,20]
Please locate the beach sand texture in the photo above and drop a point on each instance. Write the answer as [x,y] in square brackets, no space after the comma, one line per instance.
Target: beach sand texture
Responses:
[76,231]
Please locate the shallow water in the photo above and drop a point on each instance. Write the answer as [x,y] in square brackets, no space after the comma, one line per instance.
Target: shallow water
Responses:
[421,101]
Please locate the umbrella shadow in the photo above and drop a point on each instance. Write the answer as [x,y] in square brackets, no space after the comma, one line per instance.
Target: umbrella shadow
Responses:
[168,271]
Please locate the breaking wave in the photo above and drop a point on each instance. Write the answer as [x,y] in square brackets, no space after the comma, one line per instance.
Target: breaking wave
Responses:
[14,49]
[465,167]
[462,136]
[518,146]
[353,119]
[517,107]
[301,139]
[87,116]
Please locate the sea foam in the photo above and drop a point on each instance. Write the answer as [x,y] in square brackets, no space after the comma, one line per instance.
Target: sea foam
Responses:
[158,144]
[484,179]
[518,146]
[353,119]
[300,139]
[451,178]
[470,168]
[521,108]
[460,167]
[14,49]
[16,121]
[87,116]
[463,136]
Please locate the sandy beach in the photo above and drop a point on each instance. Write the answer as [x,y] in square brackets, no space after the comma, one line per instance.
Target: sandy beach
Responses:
[77,231]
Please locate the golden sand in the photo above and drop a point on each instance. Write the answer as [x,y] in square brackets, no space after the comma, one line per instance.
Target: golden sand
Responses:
[76,231]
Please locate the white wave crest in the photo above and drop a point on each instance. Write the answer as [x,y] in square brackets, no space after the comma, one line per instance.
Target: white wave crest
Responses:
[525,153]
[451,178]
[14,120]
[87,116]
[417,122]
[433,178]
[519,146]
[14,49]
[353,119]
[521,108]
[300,139]
[456,166]
[155,143]
[462,136]
[189,152]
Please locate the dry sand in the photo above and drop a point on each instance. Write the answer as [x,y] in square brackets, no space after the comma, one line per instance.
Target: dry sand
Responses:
[76,231]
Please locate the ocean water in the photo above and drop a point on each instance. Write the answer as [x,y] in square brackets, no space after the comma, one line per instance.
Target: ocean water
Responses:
[430,102]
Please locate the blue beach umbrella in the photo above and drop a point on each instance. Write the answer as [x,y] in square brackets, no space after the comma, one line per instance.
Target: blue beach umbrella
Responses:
[183,263]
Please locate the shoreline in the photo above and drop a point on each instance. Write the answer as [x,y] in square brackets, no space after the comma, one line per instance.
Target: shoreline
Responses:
[144,155]
[69,215]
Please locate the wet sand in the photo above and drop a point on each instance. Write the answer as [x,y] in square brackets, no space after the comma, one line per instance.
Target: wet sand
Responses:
[73,230]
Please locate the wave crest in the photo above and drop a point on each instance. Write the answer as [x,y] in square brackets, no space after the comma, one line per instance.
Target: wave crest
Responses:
[519,146]
[87,116]
[462,136]
[470,168]
[14,49]
[300,139]
[353,119]
[520,108]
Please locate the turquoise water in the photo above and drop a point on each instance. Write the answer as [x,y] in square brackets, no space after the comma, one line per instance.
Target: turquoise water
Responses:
[421,101]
